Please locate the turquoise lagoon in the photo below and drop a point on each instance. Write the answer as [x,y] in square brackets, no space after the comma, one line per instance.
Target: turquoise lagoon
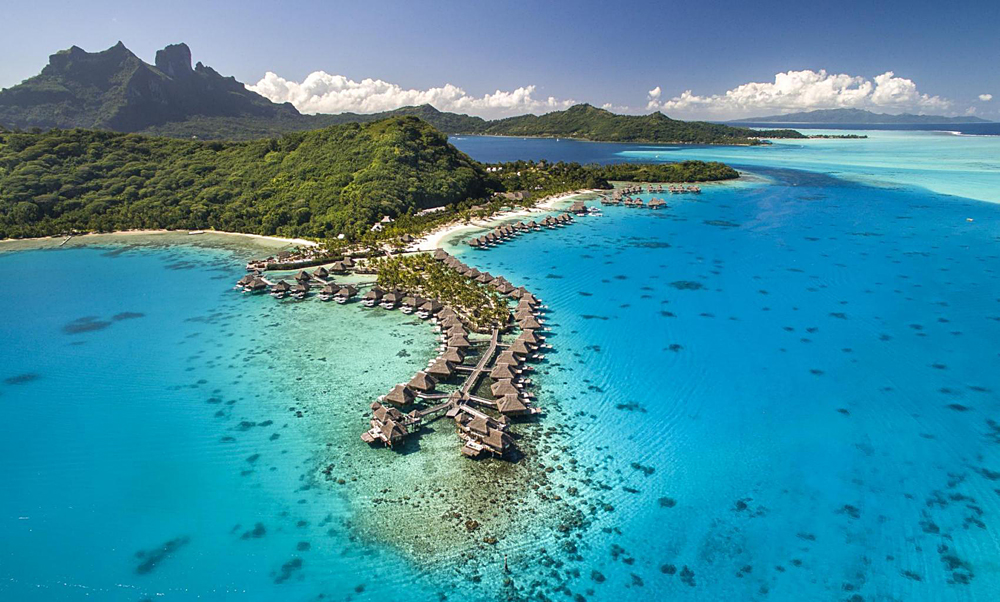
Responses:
[781,389]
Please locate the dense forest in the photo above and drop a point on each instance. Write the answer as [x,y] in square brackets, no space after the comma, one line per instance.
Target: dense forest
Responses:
[585,122]
[318,184]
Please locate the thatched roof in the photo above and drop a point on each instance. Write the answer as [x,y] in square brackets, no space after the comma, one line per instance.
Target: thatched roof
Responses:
[347,291]
[479,425]
[441,254]
[392,431]
[328,290]
[303,276]
[321,272]
[504,288]
[529,337]
[501,371]
[244,280]
[348,262]
[339,266]
[421,381]
[257,284]
[508,358]
[441,368]
[373,294]
[497,440]
[282,287]
[447,313]
[520,347]
[400,395]
[432,306]
[460,342]
[529,323]
[503,387]
[511,404]
[453,355]
[302,287]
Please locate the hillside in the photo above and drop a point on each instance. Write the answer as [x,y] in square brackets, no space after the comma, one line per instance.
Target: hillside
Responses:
[317,184]
[859,117]
[116,90]
[585,122]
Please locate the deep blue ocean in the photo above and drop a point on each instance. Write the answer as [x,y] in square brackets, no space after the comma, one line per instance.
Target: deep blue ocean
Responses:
[785,388]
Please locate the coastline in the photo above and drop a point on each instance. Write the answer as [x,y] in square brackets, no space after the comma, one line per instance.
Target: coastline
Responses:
[432,240]
[52,242]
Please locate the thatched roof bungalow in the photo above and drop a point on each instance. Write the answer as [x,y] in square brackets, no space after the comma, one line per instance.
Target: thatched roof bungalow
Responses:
[422,381]
[400,395]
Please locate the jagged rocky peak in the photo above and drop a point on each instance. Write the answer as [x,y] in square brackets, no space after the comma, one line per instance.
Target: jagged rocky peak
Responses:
[174,60]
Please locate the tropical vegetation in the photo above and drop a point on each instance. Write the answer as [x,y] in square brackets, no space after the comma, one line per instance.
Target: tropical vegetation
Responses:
[482,307]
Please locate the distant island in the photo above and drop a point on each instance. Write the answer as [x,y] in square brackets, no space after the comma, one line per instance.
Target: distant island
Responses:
[115,90]
[859,117]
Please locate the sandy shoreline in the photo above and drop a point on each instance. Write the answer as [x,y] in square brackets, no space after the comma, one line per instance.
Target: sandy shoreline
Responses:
[433,240]
[51,242]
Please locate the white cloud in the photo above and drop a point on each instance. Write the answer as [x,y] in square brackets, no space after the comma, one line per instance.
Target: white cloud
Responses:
[985,97]
[321,92]
[804,91]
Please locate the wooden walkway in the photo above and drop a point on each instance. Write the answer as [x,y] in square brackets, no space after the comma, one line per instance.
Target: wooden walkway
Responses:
[470,384]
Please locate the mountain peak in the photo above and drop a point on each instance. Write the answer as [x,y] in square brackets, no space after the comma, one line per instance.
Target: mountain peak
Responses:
[174,60]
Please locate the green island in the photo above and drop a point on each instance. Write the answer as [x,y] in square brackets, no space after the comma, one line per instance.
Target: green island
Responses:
[331,184]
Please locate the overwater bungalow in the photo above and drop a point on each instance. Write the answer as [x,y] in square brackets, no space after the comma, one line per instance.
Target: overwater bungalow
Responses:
[441,254]
[400,395]
[390,300]
[454,355]
[529,298]
[512,405]
[529,323]
[519,347]
[321,273]
[456,331]
[348,263]
[344,294]
[501,371]
[255,286]
[482,434]
[579,208]
[504,288]
[242,282]
[532,225]
[474,243]
[441,369]
[409,304]
[657,204]
[327,292]
[373,297]
[519,292]
[423,382]
[484,278]
[529,337]
[338,267]
[300,290]
[450,322]
[387,425]
[459,342]
[503,387]
[509,359]
[303,276]
[429,308]
[281,289]
[446,313]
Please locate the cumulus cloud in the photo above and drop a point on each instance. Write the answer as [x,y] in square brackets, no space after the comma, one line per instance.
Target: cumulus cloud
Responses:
[804,91]
[321,92]
[985,97]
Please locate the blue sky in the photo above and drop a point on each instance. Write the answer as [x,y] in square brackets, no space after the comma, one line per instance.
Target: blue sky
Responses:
[545,55]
